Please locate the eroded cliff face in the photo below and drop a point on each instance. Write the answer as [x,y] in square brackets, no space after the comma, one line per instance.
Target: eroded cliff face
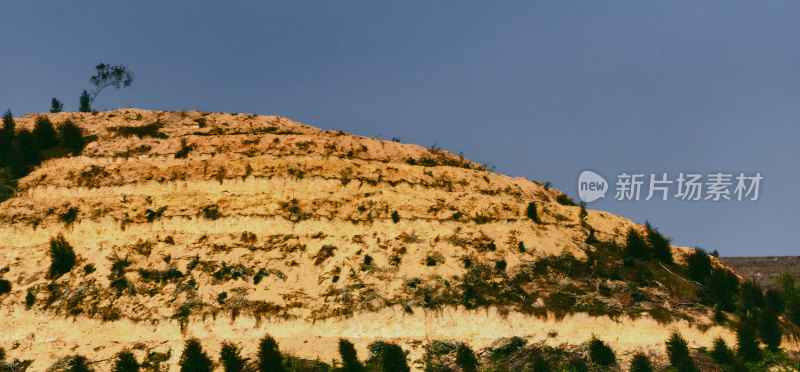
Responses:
[226,226]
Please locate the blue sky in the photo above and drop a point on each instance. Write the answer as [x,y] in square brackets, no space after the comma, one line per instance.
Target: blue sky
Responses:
[540,90]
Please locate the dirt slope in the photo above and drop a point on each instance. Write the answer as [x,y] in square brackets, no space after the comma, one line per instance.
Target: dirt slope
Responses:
[269,225]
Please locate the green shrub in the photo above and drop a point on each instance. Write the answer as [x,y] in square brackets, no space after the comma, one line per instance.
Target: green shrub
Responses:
[601,354]
[769,329]
[183,153]
[83,102]
[465,358]
[752,296]
[125,362]
[194,359]
[72,137]
[45,133]
[531,213]
[9,125]
[70,216]
[721,353]
[79,363]
[30,298]
[773,299]
[678,353]
[350,362]
[154,361]
[721,288]
[659,245]
[231,359]
[56,106]
[269,356]
[211,212]
[394,359]
[641,363]
[564,199]
[746,343]
[30,153]
[5,286]
[635,246]
[8,184]
[699,265]
[150,130]
[395,217]
[62,257]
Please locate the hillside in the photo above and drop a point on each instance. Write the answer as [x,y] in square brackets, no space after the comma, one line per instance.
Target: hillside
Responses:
[225,227]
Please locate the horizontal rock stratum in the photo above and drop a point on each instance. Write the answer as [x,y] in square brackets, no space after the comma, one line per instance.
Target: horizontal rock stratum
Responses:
[225,227]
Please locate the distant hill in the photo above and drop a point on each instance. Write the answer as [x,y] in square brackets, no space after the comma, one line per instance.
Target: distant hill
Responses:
[764,269]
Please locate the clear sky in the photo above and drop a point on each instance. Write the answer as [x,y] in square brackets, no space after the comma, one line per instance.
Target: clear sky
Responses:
[540,90]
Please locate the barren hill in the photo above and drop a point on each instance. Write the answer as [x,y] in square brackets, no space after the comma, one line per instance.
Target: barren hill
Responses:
[228,226]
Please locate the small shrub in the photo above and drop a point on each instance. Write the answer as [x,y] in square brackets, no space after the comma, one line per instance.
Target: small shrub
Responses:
[769,329]
[153,361]
[641,363]
[88,269]
[350,362]
[635,246]
[79,363]
[394,359]
[84,102]
[395,217]
[183,153]
[721,353]
[72,137]
[194,359]
[125,362]
[601,354]
[564,199]
[530,211]
[30,298]
[231,359]
[56,106]
[465,358]
[659,244]
[211,212]
[62,257]
[69,216]
[45,133]
[150,130]
[323,254]
[747,343]
[5,286]
[678,353]
[152,215]
[269,356]
[699,265]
